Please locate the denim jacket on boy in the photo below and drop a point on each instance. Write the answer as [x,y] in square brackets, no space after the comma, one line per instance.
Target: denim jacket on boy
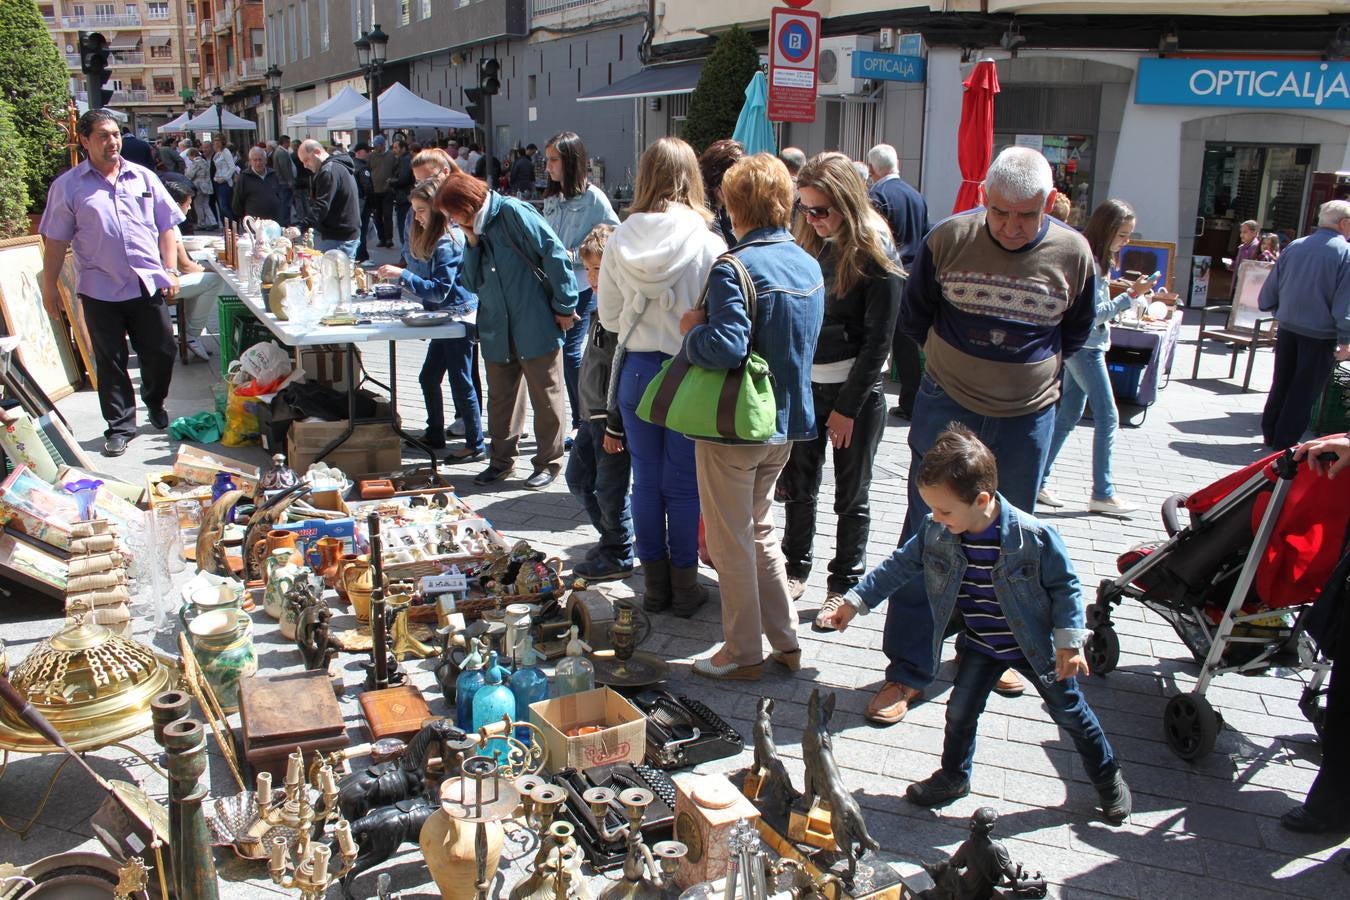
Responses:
[789,305]
[1034,582]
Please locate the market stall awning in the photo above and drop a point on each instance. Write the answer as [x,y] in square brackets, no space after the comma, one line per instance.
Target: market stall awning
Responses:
[158,40]
[176,125]
[401,108]
[341,103]
[653,81]
[207,121]
[1157,7]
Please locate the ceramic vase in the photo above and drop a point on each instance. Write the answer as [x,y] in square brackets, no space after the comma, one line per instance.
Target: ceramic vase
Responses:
[330,553]
[280,568]
[344,560]
[289,622]
[447,846]
[264,547]
[358,580]
[222,641]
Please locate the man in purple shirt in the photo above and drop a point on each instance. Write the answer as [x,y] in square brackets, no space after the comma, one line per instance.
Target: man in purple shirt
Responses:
[120,221]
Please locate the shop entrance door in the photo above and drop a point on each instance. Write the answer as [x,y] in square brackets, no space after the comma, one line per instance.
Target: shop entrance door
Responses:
[1265,182]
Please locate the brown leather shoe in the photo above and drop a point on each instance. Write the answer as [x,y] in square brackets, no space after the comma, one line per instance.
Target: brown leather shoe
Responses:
[1010,684]
[890,704]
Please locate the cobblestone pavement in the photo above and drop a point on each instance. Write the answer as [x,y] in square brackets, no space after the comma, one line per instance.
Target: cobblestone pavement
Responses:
[1199,830]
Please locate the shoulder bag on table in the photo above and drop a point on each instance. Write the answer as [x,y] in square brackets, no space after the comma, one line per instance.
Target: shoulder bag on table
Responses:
[735,404]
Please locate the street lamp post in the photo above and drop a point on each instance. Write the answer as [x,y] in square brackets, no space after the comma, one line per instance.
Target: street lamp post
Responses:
[371,48]
[273,75]
[218,96]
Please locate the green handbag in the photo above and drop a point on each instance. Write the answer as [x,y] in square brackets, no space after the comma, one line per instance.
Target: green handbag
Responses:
[731,404]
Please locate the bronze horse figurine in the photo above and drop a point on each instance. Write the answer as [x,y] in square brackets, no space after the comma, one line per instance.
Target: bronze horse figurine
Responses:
[402,778]
[379,834]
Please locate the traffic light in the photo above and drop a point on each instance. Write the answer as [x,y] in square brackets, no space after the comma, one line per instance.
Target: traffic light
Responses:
[473,105]
[94,64]
[489,76]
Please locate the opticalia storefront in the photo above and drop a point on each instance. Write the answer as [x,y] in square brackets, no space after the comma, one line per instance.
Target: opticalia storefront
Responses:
[1196,145]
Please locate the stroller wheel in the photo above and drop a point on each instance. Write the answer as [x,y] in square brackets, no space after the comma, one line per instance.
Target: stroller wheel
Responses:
[1102,650]
[1191,726]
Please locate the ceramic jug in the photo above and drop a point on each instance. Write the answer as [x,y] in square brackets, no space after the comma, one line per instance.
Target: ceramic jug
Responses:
[330,553]
[209,598]
[222,641]
[448,847]
[358,580]
[273,541]
[280,566]
[288,623]
[344,560]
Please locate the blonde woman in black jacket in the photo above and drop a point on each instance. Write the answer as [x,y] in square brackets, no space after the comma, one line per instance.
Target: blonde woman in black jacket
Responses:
[864,280]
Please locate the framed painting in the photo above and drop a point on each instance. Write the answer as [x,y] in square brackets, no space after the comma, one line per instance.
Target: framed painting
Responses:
[45,349]
[27,563]
[1146,257]
[1251,277]
[68,285]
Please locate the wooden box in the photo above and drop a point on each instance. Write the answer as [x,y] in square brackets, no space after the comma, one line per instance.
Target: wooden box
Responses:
[278,713]
[394,712]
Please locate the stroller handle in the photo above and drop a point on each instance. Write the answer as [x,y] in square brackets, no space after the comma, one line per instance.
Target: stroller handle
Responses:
[1171,523]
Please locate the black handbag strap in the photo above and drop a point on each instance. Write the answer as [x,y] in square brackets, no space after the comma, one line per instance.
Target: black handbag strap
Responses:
[509,224]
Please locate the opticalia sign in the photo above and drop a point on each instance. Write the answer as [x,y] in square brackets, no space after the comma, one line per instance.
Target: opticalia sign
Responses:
[888,66]
[1253,83]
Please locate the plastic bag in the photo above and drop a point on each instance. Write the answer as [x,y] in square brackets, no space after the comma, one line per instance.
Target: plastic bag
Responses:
[264,364]
[241,420]
[203,427]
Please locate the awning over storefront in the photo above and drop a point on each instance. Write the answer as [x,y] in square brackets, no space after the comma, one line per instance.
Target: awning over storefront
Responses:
[1156,7]
[653,81]
[129,41]
[158,40]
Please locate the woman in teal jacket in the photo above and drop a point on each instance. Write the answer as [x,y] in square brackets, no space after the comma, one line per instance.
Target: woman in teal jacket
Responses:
[527,300]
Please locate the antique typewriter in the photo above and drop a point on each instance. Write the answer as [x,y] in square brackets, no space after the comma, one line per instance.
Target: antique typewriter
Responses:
[683,732]
[657,825]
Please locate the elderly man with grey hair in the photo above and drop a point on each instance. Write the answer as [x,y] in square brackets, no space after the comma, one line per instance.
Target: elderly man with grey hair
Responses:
[257,192]
[997,297]
[1309,291]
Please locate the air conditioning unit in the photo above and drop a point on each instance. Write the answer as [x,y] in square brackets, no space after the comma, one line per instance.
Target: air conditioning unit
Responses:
[836,65]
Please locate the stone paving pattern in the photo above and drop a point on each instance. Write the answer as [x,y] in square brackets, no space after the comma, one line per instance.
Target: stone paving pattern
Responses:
[1199,830]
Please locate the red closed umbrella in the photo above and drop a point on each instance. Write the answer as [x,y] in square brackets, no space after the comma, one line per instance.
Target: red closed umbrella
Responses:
[975,137]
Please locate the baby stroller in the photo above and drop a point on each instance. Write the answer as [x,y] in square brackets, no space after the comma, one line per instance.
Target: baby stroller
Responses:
[1236,584]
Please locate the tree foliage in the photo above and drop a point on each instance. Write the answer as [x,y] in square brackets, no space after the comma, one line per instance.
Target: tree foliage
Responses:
[36,86]
[717,101]
[13,187]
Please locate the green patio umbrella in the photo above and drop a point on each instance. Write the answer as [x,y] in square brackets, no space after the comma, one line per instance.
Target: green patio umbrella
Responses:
[754,131]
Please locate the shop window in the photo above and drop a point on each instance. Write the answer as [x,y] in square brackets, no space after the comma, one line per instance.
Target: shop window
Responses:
[1071,160]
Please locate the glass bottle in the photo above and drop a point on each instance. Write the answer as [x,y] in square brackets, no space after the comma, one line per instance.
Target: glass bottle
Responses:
[491,702]
[575,672]
[466,685]
[529,684]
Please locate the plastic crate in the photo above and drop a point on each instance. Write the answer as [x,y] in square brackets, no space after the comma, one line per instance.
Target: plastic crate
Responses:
[1125,379]
[1331,413]
[231,309]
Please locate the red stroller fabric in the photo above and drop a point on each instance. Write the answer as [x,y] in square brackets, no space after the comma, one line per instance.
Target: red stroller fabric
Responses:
[1308,537]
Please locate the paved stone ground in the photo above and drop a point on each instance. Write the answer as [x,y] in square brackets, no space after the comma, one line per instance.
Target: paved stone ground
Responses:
[1199,830]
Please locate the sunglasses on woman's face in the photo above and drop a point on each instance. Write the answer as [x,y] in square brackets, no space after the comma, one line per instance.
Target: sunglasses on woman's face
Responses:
[815,212]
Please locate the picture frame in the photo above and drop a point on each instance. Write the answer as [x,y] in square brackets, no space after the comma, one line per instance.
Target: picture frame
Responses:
[1251,277]
[1140,257]
[45,350]
[68,284]
[29,564]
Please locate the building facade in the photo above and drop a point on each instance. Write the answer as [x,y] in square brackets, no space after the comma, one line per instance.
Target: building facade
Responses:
[153,53]
[233,52]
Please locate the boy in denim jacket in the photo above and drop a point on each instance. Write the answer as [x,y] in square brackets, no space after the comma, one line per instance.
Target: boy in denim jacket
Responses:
[598,469]
[1011,578]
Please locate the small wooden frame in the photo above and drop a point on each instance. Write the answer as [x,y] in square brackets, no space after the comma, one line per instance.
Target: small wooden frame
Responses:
[45,350]
[1145,258]
[69,287]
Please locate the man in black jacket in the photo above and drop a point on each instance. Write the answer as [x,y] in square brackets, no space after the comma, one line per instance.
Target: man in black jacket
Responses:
[334,204]
[400,186]
[364,188]
[257,190]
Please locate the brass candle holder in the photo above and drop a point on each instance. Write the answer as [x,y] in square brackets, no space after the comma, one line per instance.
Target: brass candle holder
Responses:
[648,872]
[297,813]
[553,861]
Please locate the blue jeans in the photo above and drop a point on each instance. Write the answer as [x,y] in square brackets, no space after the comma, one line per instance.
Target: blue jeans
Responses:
[975,678]
[599,481]
[1086,381]
[1019,444]
[665,484]
[452,357]
[574,341]
[323,245]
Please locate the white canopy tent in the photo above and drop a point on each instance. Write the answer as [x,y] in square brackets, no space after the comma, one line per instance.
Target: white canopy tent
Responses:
[175,125]
[401,108]
[345,101]
[207,121]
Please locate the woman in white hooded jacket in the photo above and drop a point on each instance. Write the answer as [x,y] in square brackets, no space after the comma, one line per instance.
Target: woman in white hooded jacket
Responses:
[653,272]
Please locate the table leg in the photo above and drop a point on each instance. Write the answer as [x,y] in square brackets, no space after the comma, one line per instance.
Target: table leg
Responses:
[351,408]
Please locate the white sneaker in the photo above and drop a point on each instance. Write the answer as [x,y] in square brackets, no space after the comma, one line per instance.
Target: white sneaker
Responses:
[456,428]
[1112,507]
[796,588]
[196,349]
[1045,498]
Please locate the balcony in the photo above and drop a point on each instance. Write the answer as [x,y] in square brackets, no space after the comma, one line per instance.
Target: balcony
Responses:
[253,67]
[73,61]
[131,20]
[205,29]
[118,97]
[129,58]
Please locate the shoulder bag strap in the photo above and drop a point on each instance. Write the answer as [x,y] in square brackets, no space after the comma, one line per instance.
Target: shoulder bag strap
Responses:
[748,293]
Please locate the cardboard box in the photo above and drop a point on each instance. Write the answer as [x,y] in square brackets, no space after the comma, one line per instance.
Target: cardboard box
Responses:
[623,737]
[200,466]
[183,490]
[370,448]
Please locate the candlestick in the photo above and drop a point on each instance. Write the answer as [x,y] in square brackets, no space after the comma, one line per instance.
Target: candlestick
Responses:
[346,846]
[279,854]
[264,793]
[294,763]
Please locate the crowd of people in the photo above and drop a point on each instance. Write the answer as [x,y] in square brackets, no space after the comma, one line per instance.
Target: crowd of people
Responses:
[813,272]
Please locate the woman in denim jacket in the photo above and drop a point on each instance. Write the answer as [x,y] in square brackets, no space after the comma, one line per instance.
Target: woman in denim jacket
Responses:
[435,251]
[1021,604]
[735,479]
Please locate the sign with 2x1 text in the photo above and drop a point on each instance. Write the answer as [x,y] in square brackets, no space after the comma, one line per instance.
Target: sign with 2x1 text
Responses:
[1251,83]
[793,65]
